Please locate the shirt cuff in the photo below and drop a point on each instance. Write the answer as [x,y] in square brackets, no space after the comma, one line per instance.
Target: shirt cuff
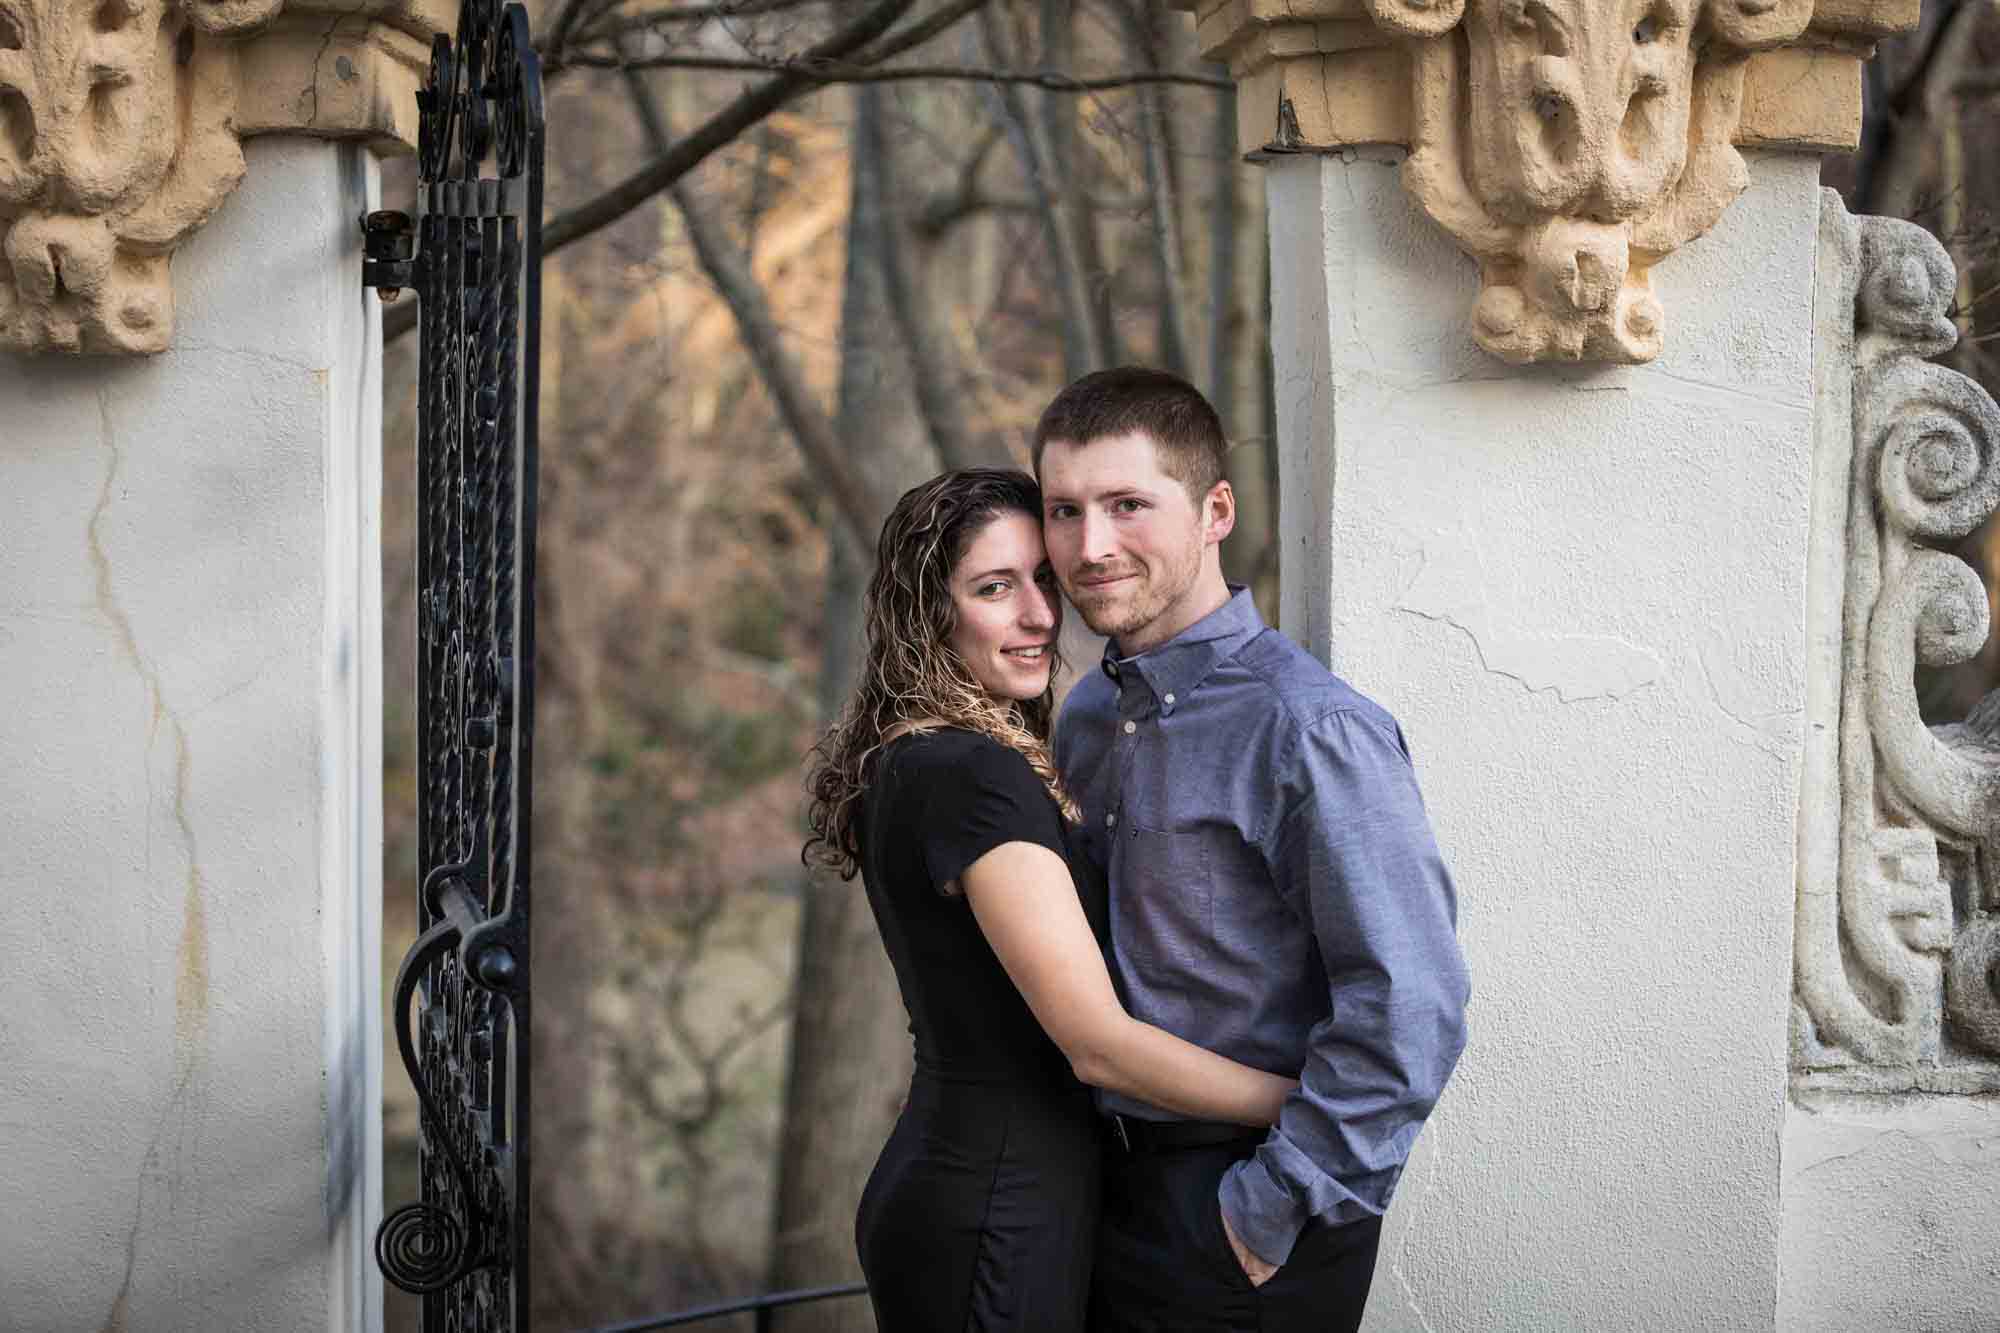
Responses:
[1260,1211]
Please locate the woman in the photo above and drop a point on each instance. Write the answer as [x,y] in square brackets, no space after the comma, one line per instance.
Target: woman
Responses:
[936,785]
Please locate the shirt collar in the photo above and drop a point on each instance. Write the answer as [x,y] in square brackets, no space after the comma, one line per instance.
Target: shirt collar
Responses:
[1176,667]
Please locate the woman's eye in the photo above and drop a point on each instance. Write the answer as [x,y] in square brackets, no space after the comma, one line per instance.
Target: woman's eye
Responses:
[993,589]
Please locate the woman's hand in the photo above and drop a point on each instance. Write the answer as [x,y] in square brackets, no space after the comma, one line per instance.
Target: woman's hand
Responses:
[1026,905]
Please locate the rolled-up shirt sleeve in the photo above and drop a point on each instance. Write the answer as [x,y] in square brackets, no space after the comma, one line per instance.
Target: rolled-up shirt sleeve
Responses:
[1352,852]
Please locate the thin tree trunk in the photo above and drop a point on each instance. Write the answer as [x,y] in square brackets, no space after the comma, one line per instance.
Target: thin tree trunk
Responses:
[1084,347]
[1224,285]
[850,1053]
[1163,196]
[1900,158]
[860,507]
[1075,212]
[936,373]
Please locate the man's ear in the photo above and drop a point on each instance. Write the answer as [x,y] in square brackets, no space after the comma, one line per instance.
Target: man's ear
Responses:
[1218,513]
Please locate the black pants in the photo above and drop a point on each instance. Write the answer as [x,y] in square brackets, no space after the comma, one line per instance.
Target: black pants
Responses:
[1164,1264]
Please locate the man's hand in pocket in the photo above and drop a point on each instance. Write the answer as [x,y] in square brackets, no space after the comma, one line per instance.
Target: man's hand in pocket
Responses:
[1258,1271]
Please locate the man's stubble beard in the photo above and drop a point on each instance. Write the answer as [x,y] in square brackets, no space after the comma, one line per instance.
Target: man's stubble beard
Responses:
[1122,617]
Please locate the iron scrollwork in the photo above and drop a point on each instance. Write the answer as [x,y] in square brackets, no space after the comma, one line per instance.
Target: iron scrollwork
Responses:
[461,1006]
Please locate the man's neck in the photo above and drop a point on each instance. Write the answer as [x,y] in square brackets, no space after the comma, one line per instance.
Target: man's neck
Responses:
[1208,595]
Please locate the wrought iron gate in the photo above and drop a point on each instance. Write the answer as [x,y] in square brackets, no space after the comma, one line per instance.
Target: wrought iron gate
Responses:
[473,256]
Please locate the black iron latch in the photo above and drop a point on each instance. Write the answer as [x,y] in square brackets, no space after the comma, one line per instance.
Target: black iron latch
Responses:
[388,252]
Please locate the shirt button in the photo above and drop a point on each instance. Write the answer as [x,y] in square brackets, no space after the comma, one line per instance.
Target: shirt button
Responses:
[1170,696]
[1131,727]
[1111,821]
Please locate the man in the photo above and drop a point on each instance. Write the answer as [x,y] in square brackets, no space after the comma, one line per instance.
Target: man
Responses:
[1276,894]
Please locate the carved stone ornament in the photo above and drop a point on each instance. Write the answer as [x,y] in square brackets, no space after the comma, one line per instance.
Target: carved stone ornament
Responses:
[1898,928]
[120,123]
[1568,145]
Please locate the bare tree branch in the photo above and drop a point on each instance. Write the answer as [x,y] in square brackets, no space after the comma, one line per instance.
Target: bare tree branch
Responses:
[792,80]
[613,26]
[936,377]
[1083,342]
[1222,261]
[1162,196]
[1926,102]
[810,427]
[835,71]
[941,210]
[1061,150]
[681,157]
[677,159]
[1880,172]
[568,17]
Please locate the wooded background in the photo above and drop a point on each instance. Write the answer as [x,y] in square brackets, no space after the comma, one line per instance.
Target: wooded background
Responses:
[802,255]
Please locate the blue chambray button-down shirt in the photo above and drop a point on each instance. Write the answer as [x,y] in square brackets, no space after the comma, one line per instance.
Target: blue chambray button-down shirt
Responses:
[1276,896]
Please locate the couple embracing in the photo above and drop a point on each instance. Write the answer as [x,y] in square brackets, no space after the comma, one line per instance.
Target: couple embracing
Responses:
[1183,980]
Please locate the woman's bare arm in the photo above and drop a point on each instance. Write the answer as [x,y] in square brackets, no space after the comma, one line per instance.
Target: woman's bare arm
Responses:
[1026,904]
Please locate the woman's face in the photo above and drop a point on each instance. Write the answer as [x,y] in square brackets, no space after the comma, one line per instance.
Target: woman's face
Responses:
[1008,609]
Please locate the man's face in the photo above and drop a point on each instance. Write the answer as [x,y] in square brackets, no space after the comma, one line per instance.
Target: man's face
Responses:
[1126,540]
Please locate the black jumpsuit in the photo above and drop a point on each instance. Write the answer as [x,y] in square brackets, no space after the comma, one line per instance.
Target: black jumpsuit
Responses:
[981,1213]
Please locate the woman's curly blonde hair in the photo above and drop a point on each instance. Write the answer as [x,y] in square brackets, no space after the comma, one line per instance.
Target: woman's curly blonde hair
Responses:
[912,679]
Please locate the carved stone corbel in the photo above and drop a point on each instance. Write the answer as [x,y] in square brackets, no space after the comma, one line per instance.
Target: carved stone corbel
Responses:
[1568,145]
[1899,903]
[120,130]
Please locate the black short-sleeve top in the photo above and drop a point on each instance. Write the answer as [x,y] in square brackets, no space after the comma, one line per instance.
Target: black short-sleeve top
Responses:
[935,804]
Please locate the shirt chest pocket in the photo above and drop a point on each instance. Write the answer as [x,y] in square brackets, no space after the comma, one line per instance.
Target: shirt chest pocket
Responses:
[1168,910]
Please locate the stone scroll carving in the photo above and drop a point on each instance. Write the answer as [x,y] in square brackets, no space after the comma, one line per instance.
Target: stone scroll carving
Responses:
[1567,145]
[1570,145]
[116,141]
[120,123]
[1898,929]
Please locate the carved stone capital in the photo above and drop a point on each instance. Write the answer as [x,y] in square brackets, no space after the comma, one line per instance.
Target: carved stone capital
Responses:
[1568,145]
[121,124]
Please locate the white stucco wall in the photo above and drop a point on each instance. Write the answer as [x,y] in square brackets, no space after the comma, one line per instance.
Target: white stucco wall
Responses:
[1890,1206]
[1581,590]
[189,631]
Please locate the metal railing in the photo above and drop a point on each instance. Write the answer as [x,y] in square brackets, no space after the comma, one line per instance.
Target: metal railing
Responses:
[761,1306]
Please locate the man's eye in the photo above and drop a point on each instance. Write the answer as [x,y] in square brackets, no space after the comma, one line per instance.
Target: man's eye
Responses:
[1128,506]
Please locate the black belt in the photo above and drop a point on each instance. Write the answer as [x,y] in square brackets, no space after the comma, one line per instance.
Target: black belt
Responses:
[1147,1136]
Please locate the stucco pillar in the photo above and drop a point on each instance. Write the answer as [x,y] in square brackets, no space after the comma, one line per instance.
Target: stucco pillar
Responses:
[190,632]
[1549,389]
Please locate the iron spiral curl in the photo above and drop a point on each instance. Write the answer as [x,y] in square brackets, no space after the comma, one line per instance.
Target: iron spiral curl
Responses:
[421,1248]
[517,91]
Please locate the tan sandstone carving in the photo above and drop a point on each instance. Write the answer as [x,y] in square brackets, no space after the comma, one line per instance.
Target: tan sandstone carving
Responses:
[1569,145]
[120,123]
[1899,891]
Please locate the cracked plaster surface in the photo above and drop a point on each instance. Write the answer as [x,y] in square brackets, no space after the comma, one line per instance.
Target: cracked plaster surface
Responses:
[159,1182]
[1884,1200]
[1624,548]
[1451,586]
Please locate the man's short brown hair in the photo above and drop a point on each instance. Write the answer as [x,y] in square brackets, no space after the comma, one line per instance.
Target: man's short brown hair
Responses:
[1183,425]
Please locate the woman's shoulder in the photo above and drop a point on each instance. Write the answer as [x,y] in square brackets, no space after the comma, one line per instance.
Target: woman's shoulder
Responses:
[947,750]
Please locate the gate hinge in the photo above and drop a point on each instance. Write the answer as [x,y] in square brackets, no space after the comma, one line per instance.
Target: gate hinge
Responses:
[388,252]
